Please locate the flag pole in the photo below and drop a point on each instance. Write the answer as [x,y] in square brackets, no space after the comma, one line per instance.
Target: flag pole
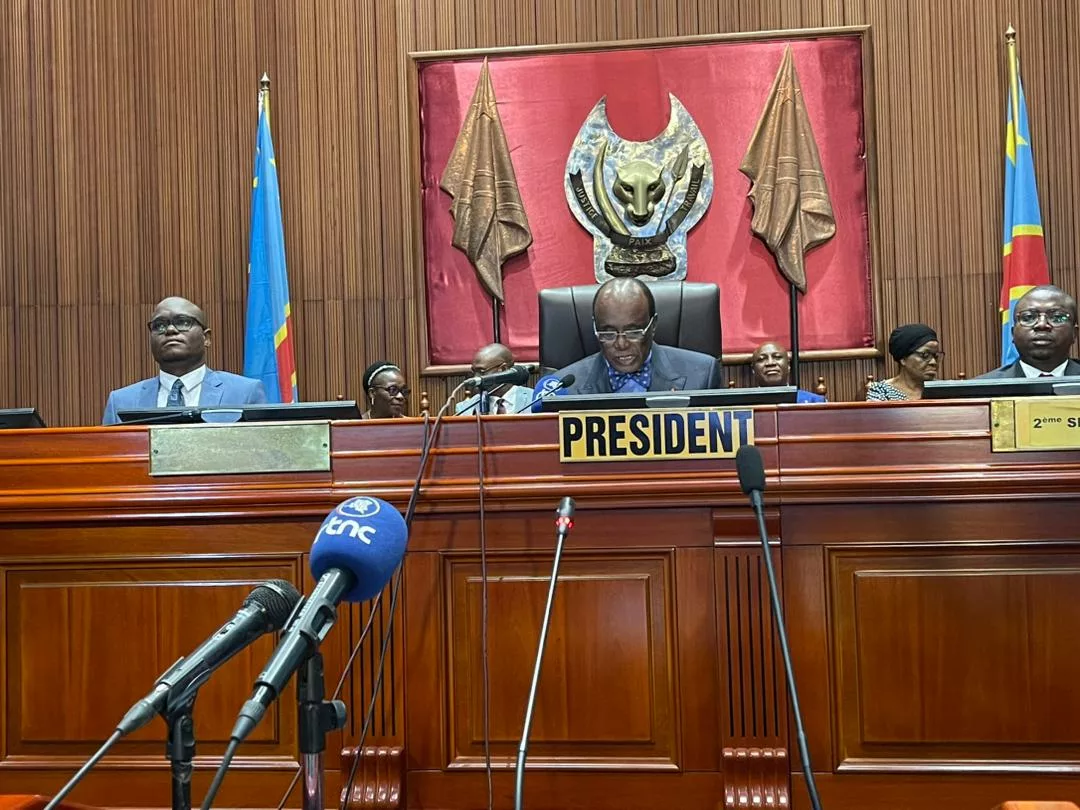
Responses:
[1014,79]
[496,330]
[794,328]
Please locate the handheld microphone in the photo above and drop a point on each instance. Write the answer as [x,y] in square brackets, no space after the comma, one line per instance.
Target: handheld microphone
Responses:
[547,386]
[751,470]
[356,551]
[518,375]
[265,610]
[564,522]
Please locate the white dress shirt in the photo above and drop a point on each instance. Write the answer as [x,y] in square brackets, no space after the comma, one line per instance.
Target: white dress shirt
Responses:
[190,382]
[1031,371]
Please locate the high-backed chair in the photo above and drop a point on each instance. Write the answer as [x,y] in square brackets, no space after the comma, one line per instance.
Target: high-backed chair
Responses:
[688,317]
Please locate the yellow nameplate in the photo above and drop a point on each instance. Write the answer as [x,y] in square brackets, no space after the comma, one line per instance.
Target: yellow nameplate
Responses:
[653,434]
[1035,423]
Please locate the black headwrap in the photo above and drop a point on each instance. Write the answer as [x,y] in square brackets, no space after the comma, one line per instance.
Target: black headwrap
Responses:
[907,338]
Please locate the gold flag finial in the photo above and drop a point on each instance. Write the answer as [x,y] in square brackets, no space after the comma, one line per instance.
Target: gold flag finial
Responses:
[1010,34]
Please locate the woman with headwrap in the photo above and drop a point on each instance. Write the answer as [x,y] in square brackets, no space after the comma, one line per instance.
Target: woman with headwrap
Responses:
[916,348]
[386,391]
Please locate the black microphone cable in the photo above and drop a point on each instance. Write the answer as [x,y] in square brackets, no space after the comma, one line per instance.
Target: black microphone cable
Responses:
[431,437]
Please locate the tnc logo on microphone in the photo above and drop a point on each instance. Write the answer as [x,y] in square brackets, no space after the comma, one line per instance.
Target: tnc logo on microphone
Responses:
[355,507]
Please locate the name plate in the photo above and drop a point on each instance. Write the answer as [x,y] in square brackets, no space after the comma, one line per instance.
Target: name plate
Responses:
[653,435]
[1035,423]
[222,449]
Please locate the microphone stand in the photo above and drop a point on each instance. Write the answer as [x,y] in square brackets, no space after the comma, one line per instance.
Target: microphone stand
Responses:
[523,746]
[785,650]
[180,751]
[317,717]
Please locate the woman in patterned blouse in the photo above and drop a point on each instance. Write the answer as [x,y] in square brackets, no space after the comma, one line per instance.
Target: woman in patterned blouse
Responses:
[916,348]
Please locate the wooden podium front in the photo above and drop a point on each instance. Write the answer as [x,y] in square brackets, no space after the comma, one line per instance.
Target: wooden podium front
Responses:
[932,590]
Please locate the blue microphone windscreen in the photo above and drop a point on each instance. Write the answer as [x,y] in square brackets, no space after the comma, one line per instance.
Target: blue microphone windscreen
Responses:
[547,387]
[365,536]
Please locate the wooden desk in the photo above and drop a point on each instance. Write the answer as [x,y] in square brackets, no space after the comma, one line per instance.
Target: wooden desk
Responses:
[932,590]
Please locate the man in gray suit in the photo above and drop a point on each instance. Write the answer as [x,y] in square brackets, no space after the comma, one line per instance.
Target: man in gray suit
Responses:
[1044,329]
[624,321]
[178,340]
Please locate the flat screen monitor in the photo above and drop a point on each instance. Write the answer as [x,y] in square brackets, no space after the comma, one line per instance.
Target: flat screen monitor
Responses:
[716,398]
[293,412]
[1007,387]
[20,418]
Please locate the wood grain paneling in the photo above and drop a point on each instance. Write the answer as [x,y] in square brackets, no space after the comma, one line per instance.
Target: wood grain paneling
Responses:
[127,131]
[611,636]
[917,687]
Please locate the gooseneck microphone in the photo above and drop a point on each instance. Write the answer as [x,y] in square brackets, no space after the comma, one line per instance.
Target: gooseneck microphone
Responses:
[751,472]
[518,375]
[265,610]
[356,551]
[564,522]
[548,386]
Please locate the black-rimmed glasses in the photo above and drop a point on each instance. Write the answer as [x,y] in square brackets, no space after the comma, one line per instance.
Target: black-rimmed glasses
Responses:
[181,323]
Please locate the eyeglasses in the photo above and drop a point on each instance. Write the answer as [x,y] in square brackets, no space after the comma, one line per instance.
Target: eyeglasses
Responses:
[926,356]
[632,335]
[1055,317]
[181,323]
[392,390]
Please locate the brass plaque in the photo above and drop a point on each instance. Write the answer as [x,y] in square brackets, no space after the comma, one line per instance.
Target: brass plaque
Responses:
[260,447]
[1035,423]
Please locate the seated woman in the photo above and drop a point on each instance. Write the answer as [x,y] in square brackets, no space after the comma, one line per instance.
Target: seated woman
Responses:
[386,391]
[916,348]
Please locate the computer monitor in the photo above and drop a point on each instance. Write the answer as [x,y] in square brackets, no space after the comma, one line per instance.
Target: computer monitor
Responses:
[20,419]
[1000,387]
[715,398]
[291,412]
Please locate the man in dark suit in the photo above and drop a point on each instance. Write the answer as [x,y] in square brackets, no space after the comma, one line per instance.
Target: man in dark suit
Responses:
[179,337]
[624,321]
[1044,329]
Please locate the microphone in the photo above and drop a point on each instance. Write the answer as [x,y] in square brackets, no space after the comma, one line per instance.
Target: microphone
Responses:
[564,522]
[265,610]
[356,551]
[751,470]
[518,375]
[547,386]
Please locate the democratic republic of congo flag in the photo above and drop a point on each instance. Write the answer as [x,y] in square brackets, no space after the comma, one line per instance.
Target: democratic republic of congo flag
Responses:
[268,336]
[1024,264]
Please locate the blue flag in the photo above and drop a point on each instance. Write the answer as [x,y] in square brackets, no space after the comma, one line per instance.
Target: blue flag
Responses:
[268,334]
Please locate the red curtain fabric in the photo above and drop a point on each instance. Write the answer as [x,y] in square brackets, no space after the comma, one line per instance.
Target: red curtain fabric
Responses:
[543,101]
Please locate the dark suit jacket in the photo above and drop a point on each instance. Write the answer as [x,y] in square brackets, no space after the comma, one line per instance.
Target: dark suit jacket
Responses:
[218,388]
[1013,371]
[672,369]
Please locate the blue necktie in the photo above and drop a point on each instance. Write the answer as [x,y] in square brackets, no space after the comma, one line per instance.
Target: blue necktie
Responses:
[176,396]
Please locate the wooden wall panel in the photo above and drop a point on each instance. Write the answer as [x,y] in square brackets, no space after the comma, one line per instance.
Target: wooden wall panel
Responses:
[127,130]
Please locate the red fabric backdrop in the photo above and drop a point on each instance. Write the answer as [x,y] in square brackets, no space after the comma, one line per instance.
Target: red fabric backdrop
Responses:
[543,100]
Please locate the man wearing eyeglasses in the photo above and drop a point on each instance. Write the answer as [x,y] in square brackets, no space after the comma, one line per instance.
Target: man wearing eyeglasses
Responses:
[506,399]
[624,321]
[1044,329]
[178,340]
